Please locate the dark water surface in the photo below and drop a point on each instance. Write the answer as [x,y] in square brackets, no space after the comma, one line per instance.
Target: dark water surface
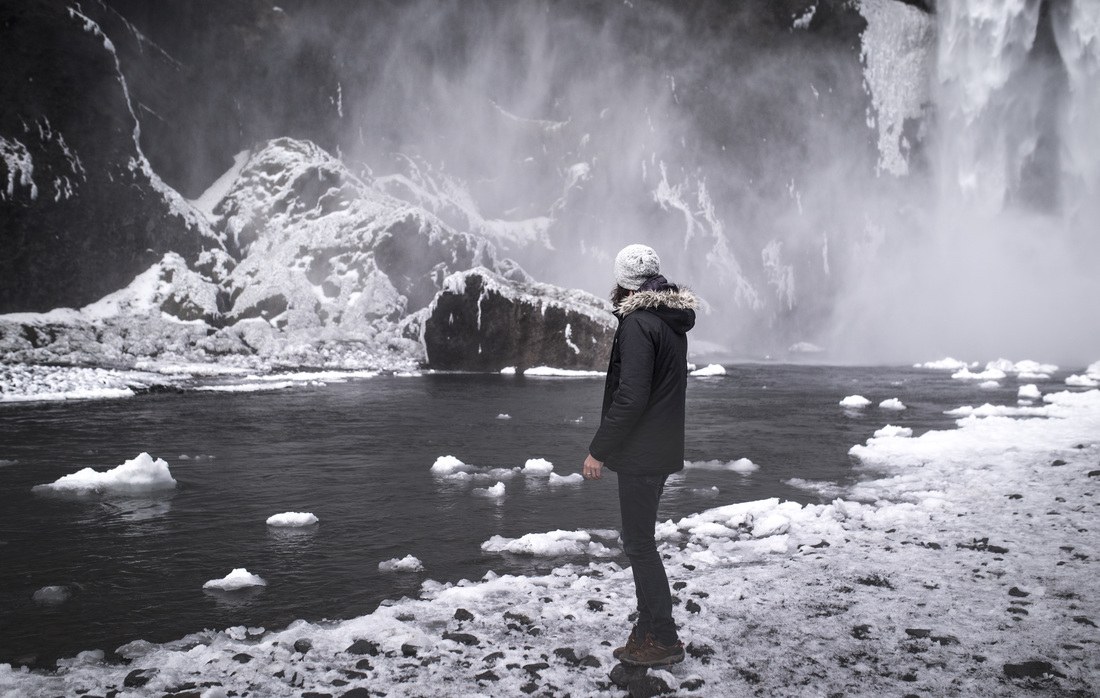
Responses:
[357,455]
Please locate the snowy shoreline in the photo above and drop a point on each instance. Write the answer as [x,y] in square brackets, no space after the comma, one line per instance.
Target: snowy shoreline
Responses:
[960,565]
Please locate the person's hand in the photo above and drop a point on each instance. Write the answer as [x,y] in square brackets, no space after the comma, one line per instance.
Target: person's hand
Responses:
[592,468]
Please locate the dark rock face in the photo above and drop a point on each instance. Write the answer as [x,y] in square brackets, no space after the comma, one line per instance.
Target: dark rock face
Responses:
[81,211]
[483,322]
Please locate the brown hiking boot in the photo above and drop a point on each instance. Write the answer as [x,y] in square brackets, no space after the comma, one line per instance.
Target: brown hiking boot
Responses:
[633,644]
[652,653]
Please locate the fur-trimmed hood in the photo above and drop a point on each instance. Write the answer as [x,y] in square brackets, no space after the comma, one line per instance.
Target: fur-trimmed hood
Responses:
[676,306]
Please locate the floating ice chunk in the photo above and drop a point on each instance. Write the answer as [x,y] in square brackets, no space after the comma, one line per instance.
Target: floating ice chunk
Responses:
[1028,376]
[989,374]
[508,371]
[496,491]
[1029,392]
[741,465]
[502,415]
[550,372]
[855,402]
[892,431]
[7,462]
[239,578]
[447,465]
[247,387]
[85,658]
[710,370]
[573,479]
[1093,371]
[1002,365]
[52,595]
[945,364]
[550,544]
[1078,381]
[537,466]
[142,474]
[292,519]
[989,385]
[1027,366]
[409,563]
[892,404]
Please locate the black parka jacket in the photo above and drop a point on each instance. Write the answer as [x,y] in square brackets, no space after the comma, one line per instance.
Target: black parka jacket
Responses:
[642,425]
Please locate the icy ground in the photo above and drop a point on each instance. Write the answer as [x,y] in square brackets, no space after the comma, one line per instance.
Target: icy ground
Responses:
[963,564]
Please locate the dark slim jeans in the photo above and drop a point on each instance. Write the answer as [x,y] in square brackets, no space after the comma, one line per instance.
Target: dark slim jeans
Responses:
[639,496]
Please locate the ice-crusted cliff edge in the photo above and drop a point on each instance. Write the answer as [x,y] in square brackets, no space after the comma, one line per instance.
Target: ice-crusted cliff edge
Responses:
[317,269]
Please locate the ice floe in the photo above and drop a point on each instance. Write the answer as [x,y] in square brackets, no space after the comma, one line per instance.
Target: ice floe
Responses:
[550,372]
[1079,381]
[495,492]
[409,563]
[892,430]
[571,479]
[892,404]
[537,466]
[239,578]
[140,474]
[1029,392]
[855,402]
[740,465]
[709,370]
[292,519]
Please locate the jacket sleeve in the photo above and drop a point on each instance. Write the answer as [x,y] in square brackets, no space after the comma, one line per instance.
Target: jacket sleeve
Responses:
[631,398]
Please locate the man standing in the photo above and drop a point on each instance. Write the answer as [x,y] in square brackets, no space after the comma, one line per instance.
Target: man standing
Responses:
[641,435]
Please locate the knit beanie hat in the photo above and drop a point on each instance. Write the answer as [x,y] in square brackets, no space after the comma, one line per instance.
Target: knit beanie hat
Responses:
[634,265]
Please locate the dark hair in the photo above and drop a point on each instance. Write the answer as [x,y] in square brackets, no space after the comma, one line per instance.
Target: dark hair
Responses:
[619,294]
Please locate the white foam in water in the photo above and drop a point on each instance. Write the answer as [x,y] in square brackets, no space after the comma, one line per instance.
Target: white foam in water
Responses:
[292,519]
[741,465]
[537,466]
[496,491]
[855,402]
[141,474]
[892,404]
[710,370]
[409,563]
[239,578]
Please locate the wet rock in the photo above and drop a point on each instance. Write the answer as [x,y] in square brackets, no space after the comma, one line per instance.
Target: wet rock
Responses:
[408,650]
[692,607]
[364,665]
[648,686]
[623,674]
[358,692]
[529,687]
[462,638]
[242,657]
[535,667]
[861,632]
[1015,496]
[492,657]
[1035,669]
[463,614]
[595,606]
[482,321]
[487,675]
[302,645]
[316,694]
[1016,610]
[701,652]
[138,678]
[918,633]
[363,647]
[945,640]
[1057,462]
[1094,473]
[1017,592]
[692,684]
[679,585]
[1084,621]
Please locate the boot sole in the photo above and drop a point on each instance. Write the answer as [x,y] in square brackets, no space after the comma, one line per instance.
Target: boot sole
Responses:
[663,661]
